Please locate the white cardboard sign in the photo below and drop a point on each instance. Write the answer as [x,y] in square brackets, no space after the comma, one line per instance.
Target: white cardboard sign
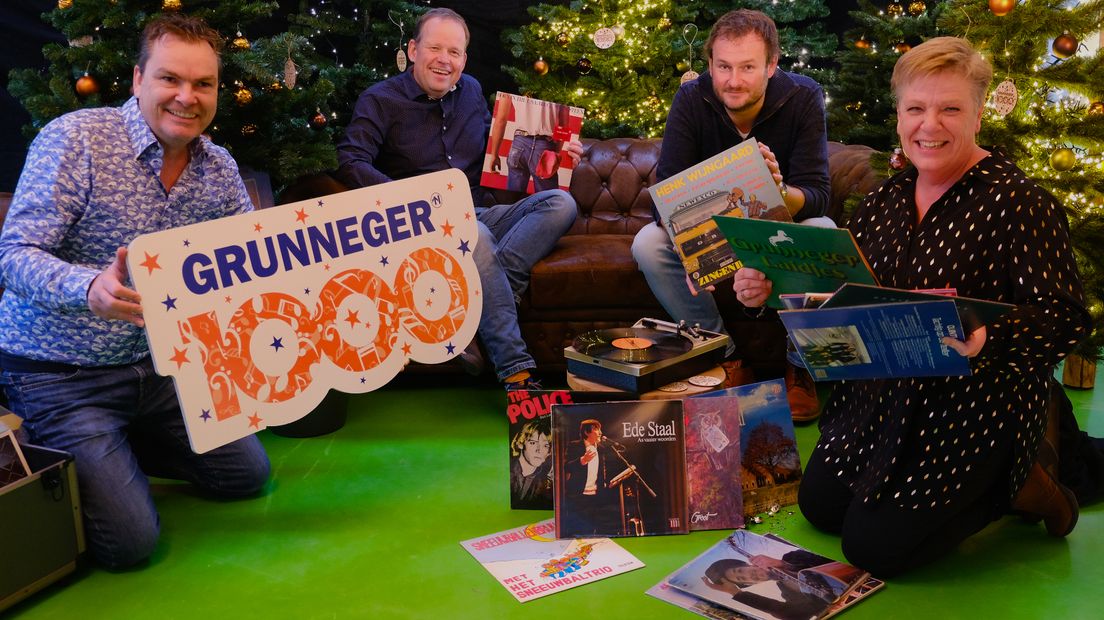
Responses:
[258,315]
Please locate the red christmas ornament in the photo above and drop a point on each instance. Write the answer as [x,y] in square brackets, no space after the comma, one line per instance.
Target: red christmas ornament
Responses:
[862,43]
[1064,46]
[897,160]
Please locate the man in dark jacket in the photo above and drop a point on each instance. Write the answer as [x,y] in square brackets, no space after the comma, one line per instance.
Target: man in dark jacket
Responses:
[743,95]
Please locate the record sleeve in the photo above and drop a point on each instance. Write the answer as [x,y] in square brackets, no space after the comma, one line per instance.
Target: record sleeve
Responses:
[619,469]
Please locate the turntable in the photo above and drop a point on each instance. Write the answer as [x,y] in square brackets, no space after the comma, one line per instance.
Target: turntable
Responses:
[645,356]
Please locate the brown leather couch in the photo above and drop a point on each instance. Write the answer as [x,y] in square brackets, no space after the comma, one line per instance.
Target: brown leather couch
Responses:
[590,281]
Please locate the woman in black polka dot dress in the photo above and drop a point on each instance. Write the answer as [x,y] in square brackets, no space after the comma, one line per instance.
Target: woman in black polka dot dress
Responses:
[906,469]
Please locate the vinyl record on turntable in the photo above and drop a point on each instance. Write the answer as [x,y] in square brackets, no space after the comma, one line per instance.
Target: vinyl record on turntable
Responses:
[634,345]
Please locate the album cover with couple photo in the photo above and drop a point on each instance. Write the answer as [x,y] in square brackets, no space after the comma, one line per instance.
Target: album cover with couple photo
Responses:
[767,578]
[525,147]
[619,469]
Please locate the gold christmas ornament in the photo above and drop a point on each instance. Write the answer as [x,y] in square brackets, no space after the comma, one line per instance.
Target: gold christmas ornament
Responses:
[64,4]
[240,43]
[895,10]
[1065,45]
[242,96]
[862,43]
[1000,8]
[664,22]
[583,65]
[1096,108]
[171,5]
[318,121]
[916,8]
[902,47]
[248,130]
[563,40]
[683,66]
[87,85]
[541,67]
[1063,159]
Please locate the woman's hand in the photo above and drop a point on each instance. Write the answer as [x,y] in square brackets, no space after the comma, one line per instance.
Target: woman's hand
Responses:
[752,287]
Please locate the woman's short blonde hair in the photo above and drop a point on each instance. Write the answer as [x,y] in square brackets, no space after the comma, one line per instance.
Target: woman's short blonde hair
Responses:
[939,55]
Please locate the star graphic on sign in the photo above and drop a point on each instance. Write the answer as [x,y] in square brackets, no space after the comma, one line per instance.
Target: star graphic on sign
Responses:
[450,187]
[467,216]
[306,291]
[447,228]
[321,204]
[150,262]
[352,319]
[406,349]
[301,216]
[383,261]
[227,298]
[450,348]
[180,356]
[326,267]
[429,303]
[170,303]
[206,415]
[379,204]
[464,249]
[432,289]
[277,343]
[257,227]
[363,380]
[255,421]
[187,243]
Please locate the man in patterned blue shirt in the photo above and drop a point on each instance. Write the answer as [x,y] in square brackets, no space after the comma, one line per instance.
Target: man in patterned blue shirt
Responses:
[434,117]
[75,362]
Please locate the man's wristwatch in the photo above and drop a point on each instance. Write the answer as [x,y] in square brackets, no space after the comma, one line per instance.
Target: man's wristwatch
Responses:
[783,188]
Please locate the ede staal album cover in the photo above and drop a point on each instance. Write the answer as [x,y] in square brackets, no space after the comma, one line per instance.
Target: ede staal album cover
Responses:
[619,469]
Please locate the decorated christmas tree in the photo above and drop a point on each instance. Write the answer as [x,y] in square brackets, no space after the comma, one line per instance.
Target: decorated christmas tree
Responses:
[861,110]
[1046,112]
[286,85]
[622,60]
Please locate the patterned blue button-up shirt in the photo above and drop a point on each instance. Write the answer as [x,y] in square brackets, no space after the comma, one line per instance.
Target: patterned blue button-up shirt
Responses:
[92,184]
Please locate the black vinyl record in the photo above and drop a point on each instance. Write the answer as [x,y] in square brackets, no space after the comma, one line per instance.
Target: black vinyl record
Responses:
[635,345]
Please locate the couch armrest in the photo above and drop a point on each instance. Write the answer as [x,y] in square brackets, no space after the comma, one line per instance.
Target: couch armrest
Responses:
[851,173]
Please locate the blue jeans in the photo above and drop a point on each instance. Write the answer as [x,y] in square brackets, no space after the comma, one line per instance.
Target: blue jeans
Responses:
[121,424]
[512,238]
[525,154]
[666,276]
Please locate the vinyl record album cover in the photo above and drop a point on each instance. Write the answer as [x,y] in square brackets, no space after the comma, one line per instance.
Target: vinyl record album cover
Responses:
[619,469]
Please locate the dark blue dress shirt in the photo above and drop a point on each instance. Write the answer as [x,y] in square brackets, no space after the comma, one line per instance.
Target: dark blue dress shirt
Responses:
[397,131]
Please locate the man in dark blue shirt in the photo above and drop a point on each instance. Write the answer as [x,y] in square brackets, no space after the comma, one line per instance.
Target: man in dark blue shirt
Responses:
[743,95]
[434,117]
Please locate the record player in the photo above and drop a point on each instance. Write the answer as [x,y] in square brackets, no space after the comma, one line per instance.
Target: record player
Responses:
[645,356]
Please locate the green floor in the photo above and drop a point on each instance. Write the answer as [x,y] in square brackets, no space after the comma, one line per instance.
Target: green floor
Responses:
[366,523]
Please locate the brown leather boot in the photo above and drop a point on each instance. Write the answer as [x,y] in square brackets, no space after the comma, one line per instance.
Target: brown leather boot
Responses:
[736,374]
[1043,496]
[801,392]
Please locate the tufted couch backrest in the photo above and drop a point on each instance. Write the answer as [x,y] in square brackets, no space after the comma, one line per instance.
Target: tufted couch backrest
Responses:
[610,185]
